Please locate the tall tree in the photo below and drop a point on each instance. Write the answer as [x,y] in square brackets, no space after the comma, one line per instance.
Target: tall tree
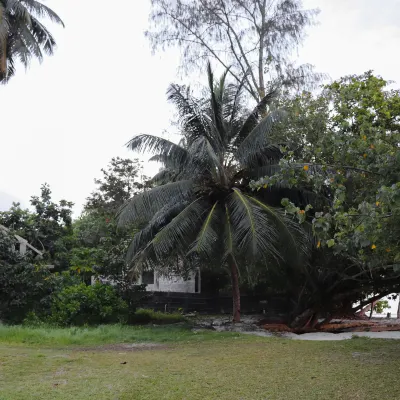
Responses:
[202,208]
[253,38]
[347,142]
[22,35]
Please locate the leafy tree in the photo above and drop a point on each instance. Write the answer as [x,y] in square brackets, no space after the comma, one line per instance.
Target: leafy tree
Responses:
[206,212]
[24,286]
[122,179]
[22,35]
[346,151]
[100,247]
[47,227]
[253,39]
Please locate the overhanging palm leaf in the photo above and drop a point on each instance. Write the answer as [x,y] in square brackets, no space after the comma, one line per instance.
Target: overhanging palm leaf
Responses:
[142,207]
[22,35]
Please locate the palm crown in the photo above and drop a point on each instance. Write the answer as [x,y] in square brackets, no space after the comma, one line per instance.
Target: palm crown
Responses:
[201,205]
[22,35]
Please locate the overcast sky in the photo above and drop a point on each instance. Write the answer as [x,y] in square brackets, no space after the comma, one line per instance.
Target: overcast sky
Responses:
[62,121]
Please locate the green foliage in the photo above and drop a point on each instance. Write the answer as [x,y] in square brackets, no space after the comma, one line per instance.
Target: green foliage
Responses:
[91,305]
[99,247]
[146,316]
[24,286]
[122,179]
[22,35]
[381,306]
[47,227]
[201,209]
[343,148]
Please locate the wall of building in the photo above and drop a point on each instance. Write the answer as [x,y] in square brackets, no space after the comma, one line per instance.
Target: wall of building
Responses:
[156,282]
[173,283]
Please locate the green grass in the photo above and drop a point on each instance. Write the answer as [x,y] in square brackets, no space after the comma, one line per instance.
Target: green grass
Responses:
[145,316]
[192,366]
[50,336]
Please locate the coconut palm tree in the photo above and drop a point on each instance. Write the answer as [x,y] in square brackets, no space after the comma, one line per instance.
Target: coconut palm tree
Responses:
[201,207]
[22,35]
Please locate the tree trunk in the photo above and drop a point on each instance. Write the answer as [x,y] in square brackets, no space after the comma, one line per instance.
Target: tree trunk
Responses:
[398,307]
[302,319]
[235,289]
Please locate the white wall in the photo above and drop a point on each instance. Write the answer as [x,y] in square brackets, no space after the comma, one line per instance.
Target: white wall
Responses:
[173,283]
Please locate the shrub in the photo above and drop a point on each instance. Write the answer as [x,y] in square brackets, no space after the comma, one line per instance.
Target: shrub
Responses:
[146,316]
[24,286]
[88,305]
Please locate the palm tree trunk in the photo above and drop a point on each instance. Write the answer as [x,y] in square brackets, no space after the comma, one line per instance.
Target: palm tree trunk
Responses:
[235,289]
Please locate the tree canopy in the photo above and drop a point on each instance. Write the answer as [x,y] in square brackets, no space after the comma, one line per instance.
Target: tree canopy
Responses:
[252,39]
[22,35]
[343,145]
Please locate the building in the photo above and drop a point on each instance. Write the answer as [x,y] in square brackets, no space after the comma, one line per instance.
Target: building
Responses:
[156,282]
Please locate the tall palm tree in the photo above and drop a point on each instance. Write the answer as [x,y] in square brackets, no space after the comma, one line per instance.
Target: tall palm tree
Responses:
[201,207]
[22,35]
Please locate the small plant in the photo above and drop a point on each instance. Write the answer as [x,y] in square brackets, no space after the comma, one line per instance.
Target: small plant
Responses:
[381,306]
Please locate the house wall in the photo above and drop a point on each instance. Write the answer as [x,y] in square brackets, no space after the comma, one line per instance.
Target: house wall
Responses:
[170,283]
[174,283]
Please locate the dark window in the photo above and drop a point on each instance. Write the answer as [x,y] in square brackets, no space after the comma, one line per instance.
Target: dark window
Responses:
[148,277]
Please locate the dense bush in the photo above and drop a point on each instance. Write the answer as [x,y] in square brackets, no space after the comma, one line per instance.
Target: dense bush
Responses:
[91,305]
[24,285]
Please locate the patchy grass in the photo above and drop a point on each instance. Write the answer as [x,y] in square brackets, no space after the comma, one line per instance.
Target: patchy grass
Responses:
[50,336]
[209,366]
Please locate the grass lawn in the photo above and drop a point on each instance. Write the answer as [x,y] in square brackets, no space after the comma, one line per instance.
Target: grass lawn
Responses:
[96,364]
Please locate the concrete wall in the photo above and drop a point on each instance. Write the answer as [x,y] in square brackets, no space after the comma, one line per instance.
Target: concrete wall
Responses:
[174,283]
[170,283]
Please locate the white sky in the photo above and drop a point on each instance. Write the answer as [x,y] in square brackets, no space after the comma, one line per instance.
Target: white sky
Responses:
[62,121]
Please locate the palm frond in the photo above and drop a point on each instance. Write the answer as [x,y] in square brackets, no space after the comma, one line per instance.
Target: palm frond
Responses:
[160,146]
[290,232]
[254,236]
[257,143]
[19,9]
[143,206]
[181,231]
[42,11]
[191,117]
[163,177]
[242,218]
[30,42]
[216,106]
[254,118]
[43,36]
[204,160]
[208,236]
[158,221]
